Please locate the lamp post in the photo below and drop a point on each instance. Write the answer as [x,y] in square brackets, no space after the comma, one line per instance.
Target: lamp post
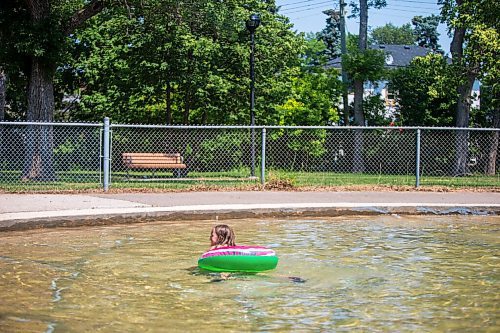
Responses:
[252,24]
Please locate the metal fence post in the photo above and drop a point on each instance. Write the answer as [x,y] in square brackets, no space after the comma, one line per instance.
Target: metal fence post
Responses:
[106,144]
[263,159]
[417,167]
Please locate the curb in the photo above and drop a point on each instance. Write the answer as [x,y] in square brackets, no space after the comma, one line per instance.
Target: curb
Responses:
[106,216]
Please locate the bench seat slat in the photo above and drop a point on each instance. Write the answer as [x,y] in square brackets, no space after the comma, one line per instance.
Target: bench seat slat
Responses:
[152,154]
[156,166]
[153,161]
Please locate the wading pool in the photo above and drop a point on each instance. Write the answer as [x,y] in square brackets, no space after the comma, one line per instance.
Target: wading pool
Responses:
[362,274]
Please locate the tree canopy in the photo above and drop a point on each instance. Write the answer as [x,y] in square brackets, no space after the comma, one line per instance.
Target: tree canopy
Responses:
[175,61]
[427,92]
[425,30]
[391,34]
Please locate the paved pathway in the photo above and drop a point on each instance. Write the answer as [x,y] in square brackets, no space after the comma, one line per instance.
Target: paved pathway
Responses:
[24,211]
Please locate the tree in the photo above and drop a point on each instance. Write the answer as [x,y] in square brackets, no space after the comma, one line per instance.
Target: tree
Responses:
[474,49]
[374,109]
[358,80]
[330,35]
[364,56]
[40,29]
[185,63]
[425,31]
[426,91]
[390,34]
[315,91]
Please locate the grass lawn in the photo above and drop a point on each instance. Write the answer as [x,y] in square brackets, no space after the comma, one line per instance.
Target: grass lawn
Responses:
[88,181]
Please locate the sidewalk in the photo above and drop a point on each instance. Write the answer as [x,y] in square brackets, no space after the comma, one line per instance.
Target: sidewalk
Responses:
[27,211]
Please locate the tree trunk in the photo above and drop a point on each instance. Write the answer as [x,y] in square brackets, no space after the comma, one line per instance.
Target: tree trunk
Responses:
[463,103]
[168,101]
[204,117]
[187,107]
[38,164]
[359,118]
[3,89]
[462,120]
[39,139]
[187,96]
[363,24]
[493,151]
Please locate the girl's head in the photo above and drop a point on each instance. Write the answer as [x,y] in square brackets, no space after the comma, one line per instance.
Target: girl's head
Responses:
[222,235]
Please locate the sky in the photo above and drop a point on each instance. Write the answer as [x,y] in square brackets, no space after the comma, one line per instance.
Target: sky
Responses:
[307,16]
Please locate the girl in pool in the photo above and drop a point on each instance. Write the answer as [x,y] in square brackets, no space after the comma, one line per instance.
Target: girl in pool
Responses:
[221,236]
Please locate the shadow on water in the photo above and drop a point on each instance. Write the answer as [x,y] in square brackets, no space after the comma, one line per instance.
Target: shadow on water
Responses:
[241,276]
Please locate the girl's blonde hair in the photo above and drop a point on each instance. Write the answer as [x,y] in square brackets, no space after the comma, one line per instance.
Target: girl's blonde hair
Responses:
[225,235]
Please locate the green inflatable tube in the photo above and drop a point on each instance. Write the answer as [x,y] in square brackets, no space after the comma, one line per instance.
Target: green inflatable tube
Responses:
[239,259]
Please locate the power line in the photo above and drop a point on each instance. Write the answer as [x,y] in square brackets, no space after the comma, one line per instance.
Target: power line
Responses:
[309,5]
[301,17]
[306,9]
[370,13]
[413,7]
[407,11]
[294,3]
[415,1]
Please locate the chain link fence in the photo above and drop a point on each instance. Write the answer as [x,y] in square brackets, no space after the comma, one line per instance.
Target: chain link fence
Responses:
[208,153]
[56,156]
[39,156]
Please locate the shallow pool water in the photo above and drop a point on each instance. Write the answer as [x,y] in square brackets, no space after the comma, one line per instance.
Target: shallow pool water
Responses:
[362,274]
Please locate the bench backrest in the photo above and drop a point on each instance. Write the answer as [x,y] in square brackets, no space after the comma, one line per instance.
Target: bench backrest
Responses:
[151,158]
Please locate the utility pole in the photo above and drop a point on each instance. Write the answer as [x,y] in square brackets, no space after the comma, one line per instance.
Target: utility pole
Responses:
[343,50]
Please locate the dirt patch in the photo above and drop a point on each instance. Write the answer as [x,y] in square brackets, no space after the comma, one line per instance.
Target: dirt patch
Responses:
[273,185]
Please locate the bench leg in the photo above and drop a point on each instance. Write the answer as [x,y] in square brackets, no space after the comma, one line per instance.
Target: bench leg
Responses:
[183,173]
[180,173]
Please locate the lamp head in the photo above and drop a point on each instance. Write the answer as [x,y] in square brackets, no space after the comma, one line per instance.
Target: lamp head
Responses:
[253,23]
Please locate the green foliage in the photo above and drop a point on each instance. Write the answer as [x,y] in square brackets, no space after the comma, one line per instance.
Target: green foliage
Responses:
[489,110]
[314,56]
[43,38]
[330,35]
[483,48]
[310,143]
[425,30]
[377,4]
[390,34]
[143,60]
[475,46]
[313,101]
[222,153]
[426,91]
[365,66]
[195,52]
[374,110]
[28,36]
[314,91]
[352,42]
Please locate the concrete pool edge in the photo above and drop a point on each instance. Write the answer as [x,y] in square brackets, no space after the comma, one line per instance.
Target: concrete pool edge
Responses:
[103,216]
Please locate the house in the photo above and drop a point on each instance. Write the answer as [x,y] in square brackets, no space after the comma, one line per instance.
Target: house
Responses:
[396,56]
